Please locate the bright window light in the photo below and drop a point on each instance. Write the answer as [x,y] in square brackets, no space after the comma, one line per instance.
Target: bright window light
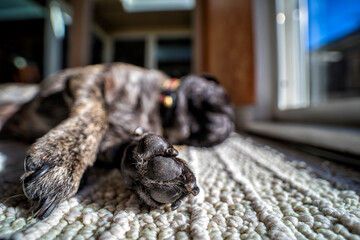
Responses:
[157,5]
[57,20]
[2,161]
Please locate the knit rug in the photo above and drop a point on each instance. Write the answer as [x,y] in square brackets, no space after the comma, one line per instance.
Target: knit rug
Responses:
[248,191]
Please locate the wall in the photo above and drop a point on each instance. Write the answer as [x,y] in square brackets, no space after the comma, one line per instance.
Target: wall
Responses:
[224,45]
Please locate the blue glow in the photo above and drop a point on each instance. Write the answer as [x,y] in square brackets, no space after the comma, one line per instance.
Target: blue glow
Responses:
[330,20]
[57,20]
[157,5]
[20,62]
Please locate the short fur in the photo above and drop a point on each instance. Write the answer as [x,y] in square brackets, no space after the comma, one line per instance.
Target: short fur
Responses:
[82,113]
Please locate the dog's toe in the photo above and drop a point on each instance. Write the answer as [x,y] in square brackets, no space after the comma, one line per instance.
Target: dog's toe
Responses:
[163,169]
[47,182]
[150,168]
[164,193]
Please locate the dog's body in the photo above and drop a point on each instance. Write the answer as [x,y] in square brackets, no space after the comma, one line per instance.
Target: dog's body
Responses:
[84,112]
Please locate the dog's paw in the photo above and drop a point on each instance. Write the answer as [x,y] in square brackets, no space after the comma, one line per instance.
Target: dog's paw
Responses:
[151,168]
[51,176]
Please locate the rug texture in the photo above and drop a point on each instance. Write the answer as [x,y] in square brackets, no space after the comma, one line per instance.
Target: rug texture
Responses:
[248,191]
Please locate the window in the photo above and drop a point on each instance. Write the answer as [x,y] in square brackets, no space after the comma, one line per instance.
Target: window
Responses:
[169,52]
[318,48]
[174,56]
[96,49]
[307,72]
[130,51]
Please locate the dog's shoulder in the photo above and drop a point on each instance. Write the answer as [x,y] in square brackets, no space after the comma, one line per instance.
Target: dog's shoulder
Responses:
[56,82]
[116,77]
[123,79]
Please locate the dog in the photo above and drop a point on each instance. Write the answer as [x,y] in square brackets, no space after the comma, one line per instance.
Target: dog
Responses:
[121,113]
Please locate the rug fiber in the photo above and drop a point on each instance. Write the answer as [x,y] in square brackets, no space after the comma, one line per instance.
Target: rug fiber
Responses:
[248,191]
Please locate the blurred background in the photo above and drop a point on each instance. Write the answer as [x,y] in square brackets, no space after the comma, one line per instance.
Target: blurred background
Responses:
[291,67]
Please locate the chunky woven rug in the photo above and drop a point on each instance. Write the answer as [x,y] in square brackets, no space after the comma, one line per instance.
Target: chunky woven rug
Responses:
[248,191]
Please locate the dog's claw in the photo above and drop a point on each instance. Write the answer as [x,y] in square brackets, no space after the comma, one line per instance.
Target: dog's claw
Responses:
[26,162]
[44,208]
[47,182]
[36,175]
[175,205]
[171,152]
[39,206]
[49,210]
[195,191]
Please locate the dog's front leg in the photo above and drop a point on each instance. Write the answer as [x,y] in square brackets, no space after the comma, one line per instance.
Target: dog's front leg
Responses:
[56,162]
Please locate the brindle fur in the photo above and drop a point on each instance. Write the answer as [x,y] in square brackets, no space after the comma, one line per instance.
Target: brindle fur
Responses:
[83,112]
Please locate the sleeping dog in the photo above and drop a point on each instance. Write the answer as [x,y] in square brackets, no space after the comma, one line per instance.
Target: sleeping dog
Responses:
[122,113]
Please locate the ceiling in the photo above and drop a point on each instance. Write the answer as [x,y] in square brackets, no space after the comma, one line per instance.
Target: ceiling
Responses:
[20,10]
[110,16]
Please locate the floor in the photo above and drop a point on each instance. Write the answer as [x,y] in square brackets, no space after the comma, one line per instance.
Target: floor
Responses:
[251,188]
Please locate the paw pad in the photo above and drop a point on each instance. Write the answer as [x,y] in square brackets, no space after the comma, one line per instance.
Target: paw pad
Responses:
[163,169]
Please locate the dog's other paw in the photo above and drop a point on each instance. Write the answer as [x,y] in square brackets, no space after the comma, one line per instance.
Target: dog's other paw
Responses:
[151,169]
[51,176]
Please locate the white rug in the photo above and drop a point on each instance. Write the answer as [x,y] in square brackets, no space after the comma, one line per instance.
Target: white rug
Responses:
[248,191]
